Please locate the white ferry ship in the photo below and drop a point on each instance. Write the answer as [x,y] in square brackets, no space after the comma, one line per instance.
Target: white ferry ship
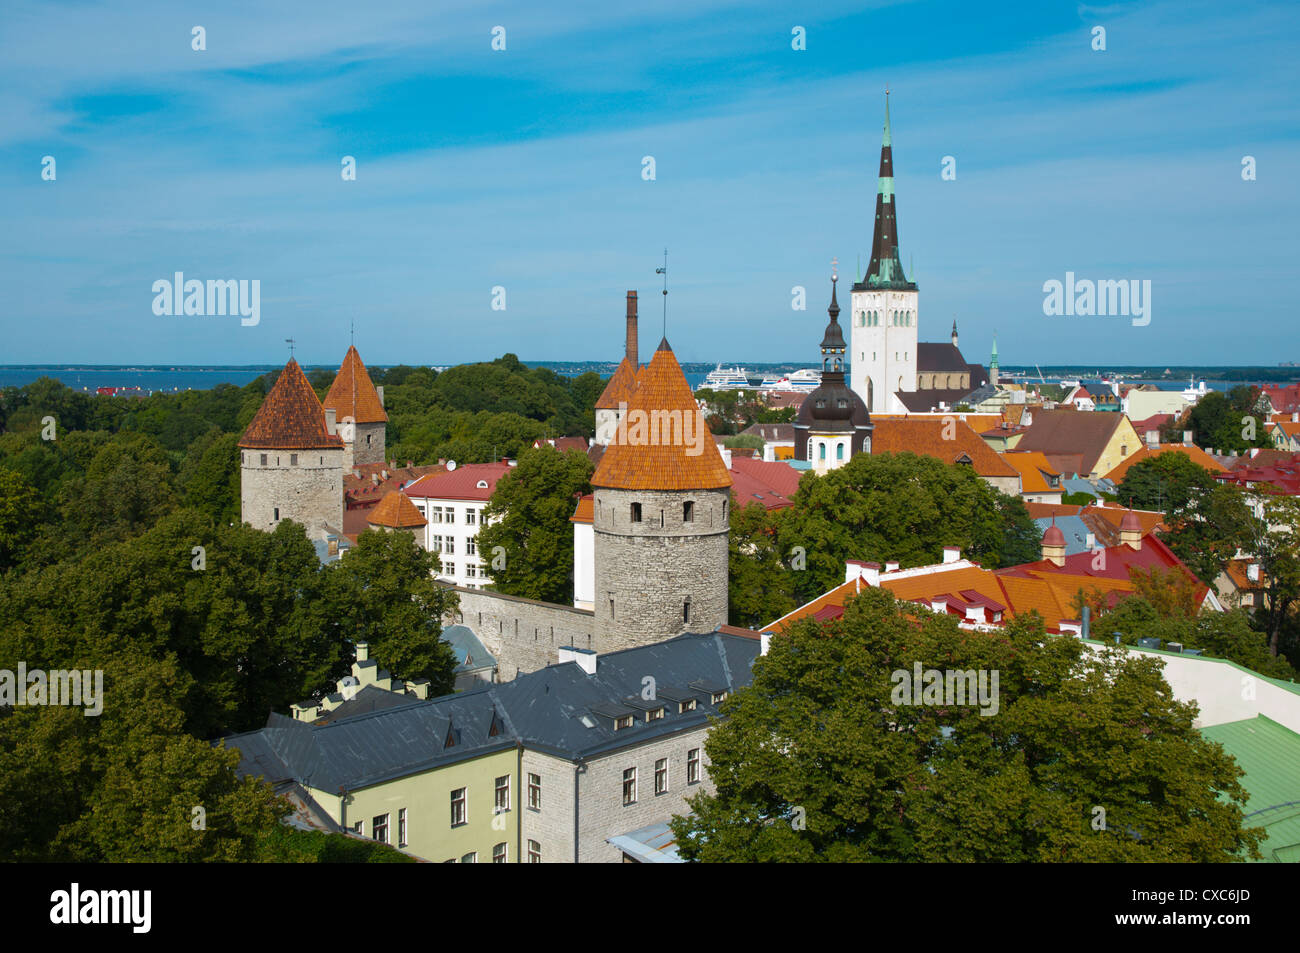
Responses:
[806,380]
[726,378]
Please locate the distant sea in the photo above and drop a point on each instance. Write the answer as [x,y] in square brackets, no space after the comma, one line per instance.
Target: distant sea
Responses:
[172,379]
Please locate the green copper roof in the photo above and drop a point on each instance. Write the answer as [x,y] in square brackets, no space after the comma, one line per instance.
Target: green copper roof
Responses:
[887,141]
[1270,755]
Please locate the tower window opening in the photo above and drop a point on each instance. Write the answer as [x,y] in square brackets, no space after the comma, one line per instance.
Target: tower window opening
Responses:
[688,512]
[686,610]
[636,512]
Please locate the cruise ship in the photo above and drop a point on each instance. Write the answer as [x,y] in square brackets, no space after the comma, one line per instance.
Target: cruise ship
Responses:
[726,378]
[806,380]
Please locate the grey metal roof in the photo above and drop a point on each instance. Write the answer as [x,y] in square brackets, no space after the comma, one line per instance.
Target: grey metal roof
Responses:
[1074,529]
[471,654]
[545,710]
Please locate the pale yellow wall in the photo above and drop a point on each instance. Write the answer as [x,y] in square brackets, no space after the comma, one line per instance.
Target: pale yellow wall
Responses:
[1124,436]
[427,799]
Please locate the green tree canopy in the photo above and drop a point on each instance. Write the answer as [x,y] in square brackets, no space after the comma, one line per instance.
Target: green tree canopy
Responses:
[528,518]
[823,758]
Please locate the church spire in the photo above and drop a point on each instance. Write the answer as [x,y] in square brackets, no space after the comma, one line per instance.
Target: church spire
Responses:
[833,340]
[886,268]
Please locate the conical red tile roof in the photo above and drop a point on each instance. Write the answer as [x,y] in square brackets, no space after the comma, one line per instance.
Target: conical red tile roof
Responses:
[353,394]
[397,511]
[291,417]
[656,459]
[619,388]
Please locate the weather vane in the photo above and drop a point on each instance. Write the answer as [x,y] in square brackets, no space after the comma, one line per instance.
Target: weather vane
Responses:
[664,271]
[289,341]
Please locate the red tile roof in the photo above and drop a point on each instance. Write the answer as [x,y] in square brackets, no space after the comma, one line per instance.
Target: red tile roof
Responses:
[619,388]
[472,481]
[584,512]
[396,511]
[353,394]
[773,484]
[644,458]
[925,436]
[291,417]
[1193,453]
[563,443]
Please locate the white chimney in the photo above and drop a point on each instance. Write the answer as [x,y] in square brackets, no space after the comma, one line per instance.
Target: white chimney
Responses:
[585,658]
[1295,417]
[867,572]
[380,391]
[331,424]
[363,651]
[1091,541]
[764,642]
[726,456]
[1153,438]
[1252,572]
[1187,438]
[891,566]
[951,554]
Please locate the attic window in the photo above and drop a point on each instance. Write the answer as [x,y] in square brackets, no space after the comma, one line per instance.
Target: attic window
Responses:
[654,714]
[450,740]
[623,721]
[688,705]
[843,402]
[718,697]
[495,729]
[482,484]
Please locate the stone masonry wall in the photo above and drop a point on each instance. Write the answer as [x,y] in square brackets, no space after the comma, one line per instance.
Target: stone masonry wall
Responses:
[372,452]
[649,568]
[524,634]
[601,811]
[309,492]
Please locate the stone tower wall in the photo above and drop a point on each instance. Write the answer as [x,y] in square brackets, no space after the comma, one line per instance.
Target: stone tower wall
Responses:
[372,452]
[650,568]
[309,491]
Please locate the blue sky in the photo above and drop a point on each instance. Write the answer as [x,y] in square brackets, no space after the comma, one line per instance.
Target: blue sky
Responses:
[522,169]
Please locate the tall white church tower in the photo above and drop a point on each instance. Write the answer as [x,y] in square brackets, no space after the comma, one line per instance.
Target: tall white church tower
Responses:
[884,307]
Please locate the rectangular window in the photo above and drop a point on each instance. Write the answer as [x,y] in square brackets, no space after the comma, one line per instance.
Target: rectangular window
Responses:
[534,852]
[401,827]
[688,512]
[471,547]
[629,786]
[661,776]
[293,459]
[654,714]
[435,514]
[451,514]
[275,513]
[688,705]
[459,811]
[451,546]
[379,829]
[437,544]
[636,512]
[693,766]
[471,517]
[623,721]
[500,853]
[263,459]
[471,570]
[503,793]
[719,697]
[359,828]
[535,791]
[449,569]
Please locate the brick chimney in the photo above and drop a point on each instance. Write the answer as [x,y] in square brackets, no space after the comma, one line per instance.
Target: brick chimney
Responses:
[631,331]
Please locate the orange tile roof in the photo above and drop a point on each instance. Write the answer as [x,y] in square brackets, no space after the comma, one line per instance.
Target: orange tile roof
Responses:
[291,417]
[924,435]
[1196,454]
[584,514]
[929,585]
[353,395]
[619,388]
[396,511]
[1033,469]
[644,457]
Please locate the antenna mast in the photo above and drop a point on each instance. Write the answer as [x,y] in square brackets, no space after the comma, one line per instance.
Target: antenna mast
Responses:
[664,271]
